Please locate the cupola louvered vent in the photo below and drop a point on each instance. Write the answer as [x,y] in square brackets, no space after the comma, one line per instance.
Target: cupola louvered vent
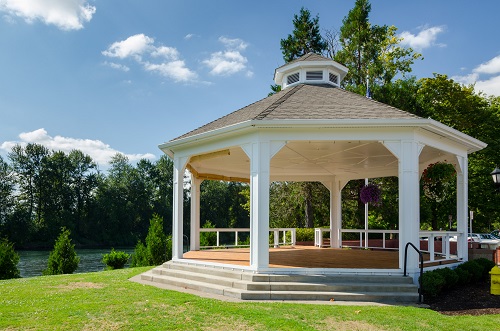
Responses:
[311,69]
[314,75]
[334,78]
[293,78]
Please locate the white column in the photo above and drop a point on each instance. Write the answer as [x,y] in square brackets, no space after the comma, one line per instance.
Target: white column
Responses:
[366,219]
[260,154]
[335,187]
[462,206]
[407,152]
[177,219]
[259,205]
[195,214]
[409,203]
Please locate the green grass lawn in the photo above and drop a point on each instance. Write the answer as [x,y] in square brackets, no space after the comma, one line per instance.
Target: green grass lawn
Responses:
[109,301]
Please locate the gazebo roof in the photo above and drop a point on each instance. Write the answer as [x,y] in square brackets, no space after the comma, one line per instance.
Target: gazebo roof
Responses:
[307,102]
[326,129]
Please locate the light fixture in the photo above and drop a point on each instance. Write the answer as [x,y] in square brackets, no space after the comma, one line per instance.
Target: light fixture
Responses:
[496,178]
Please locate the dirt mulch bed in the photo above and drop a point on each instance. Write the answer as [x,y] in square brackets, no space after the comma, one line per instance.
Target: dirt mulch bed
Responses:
[469,300]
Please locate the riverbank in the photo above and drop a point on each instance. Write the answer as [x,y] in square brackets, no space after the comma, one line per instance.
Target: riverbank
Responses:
[32,263]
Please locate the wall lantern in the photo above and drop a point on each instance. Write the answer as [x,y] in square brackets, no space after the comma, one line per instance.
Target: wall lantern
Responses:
[496,178]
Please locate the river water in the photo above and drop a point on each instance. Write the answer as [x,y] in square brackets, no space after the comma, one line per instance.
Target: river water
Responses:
[32,263]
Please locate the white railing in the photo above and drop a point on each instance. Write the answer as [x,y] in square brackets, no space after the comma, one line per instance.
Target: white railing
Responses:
[445,237]
[276,236]
[363,236]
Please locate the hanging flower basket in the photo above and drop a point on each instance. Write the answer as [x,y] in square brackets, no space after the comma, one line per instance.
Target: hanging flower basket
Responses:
[437,179]
[370,194]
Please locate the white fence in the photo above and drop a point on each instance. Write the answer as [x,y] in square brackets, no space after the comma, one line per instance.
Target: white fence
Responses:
[438,242]
[444,238]
[363,235]
[278,233]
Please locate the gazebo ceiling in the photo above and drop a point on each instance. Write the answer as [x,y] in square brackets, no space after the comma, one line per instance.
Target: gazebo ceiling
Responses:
[311,160]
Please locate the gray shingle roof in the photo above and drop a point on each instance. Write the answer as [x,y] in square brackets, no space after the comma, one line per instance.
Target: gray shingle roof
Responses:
[307,102]
[307,57]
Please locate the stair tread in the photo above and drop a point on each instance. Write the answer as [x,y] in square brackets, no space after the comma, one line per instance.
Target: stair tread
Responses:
[187,281]
[251,286]
[317,282]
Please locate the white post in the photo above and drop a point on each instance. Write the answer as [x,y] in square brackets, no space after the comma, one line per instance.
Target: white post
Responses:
[366,219]
[177,219]
[408,152]
[195,213]
[335,188]
[462,207]
[260,157]
[409,203]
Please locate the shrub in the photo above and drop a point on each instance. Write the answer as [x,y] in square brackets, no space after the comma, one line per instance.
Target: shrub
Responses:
[487,266]
[208,238]
[8,260]
[140,257]
[450,277]
[156,241]
[305,234]
[115,259]
[63,259]
[158,247]
[474,268]
[464,277]
[432,284]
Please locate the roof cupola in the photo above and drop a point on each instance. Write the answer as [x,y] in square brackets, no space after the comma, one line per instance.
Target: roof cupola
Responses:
[310,69]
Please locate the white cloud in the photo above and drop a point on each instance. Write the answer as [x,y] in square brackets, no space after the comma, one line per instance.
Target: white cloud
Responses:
[169,53]
[226,63]
[485,76]
[176,70]
[189,36]
[65,14]
[466,79]
[424,39]
[229,61]
[99,151]
[235,44]
[162,60]
[117,66]
[490,86]
[490,67]
[133,46]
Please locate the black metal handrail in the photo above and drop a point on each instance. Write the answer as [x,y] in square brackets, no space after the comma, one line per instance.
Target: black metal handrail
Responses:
[421,259]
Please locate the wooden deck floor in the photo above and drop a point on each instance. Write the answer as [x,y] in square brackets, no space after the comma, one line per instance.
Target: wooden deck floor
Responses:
[304,257]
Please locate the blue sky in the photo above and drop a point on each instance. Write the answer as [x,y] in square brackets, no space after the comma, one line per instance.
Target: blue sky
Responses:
[126,75]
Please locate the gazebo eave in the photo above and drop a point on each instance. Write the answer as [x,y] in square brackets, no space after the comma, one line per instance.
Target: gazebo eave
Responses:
[430,125]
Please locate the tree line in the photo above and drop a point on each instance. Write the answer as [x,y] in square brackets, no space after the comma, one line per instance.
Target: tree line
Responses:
[42,190]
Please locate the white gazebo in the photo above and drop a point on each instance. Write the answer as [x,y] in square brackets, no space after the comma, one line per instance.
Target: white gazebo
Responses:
[313,130]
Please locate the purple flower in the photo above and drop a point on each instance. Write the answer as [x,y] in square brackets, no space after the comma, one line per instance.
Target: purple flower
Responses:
[370,194]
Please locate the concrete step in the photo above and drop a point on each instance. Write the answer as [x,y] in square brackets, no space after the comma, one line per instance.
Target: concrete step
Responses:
[296,295]
[340,278]
[188,284]
[208,270]
[249,276]
[330,287]
[249,286]
[328,284]
[200,276]
[385,297]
